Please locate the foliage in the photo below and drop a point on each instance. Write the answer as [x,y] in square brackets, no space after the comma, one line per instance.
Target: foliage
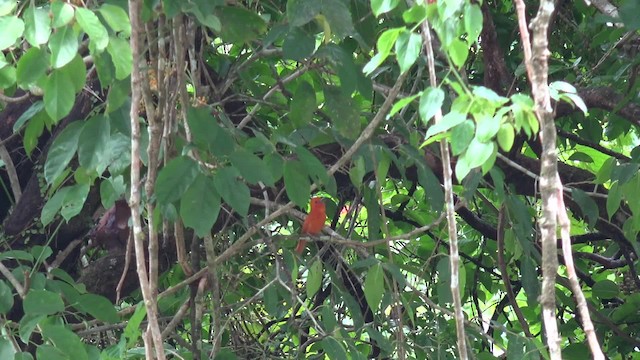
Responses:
[250,108]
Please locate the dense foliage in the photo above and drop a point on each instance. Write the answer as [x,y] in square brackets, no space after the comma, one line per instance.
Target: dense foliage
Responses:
[153,154]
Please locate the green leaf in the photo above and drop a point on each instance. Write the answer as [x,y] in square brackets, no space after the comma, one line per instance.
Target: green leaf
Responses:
[478,152]
[605,289]
[32,67]
[59,95]
[461,136]
[91,25]
[315,169]
[7,77]
[207,133]
[472,21]
[303,105]
[240,25]
[7,6]
[33,110]
[408,48]
[530,281]
[200,205]
[174,179]
[430,102]
[443,285]
[23,356]
[11,28]
[357,171]
[133,330]
[7,350]
[400,104]
[64,46]
[333,348]
[296,182]
[384,44]
[448,121]
[336,13]
[506,136]
[42,302]
[34,129]
[298,45]
[613,199]
[93,144]
[251,167]
[117,18]
[314,278]
[459,51]
[74,200]
[487,126]
[121,56]
[62,151]
[383,6]
[64,340]
[97,306]
[233,190]
[37,25]
[62,13]
[587,205]
[343,111]
[76,72]
[6,297]
[51,352]
[374,286]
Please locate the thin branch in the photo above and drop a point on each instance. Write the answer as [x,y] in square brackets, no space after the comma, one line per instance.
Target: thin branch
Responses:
[11,172]
[153,328]
[12,279]
[454,254]
[537,71]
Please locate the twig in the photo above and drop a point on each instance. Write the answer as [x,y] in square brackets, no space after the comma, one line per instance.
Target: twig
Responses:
[154,336]
[12,279]
[11,172]
[454,255]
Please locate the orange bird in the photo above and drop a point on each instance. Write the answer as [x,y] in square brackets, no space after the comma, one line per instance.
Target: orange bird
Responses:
[314,222]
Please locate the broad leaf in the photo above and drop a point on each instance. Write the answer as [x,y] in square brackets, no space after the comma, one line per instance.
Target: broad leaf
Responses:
[234,192]
[200,205]
[174,179]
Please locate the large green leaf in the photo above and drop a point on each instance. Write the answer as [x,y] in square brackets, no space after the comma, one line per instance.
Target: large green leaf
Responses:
[93,144]
[74,200]
[32,67]
[335,12]
[251,167]
[334,348]
[234,192]
[343,111]
[174,179]
[6,297]
[240,25]
[374,286]
[42,302]
[200,205]
[296,182]
[63,45]
[383,6]
[65,341]
[97,306]
[62,151]
[91,25]
[121,56]
[62,13]
[37,25]
[11,28]
[314,278]
[408,48]
[116,17]
[59,95]
[303,105]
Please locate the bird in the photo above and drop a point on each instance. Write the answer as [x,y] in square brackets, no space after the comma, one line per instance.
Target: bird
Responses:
[314,222]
